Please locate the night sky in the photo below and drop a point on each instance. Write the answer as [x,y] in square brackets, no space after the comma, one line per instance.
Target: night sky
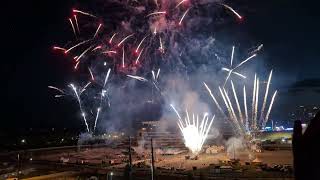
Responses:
[289,30]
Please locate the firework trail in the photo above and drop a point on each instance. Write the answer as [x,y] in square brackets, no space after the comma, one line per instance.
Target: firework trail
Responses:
[245,108]
[231,108]
[55,88]
[97,31]
[161,46]
[237,102]
[96,48]
[180,3]
[265,97]
[83,53]
[77,64]
[167,40]
[184,14]
[256,104]
[85,120]
[74,31]
[107,77]
[77,25]
[97,116]
[59,48]
[79,44]
[231,70]
[254,55]
[236,73]
[137,60]
[269,110]
[84,13]
[158,73]
[110,52]
[233,11]
[253,99]
[213,98]
[256,49]
[155,30]
[110,41]
[79,101]
[231,59]
[124,39]
[153,75]
[156,13]
[103,92]
[137,78]
[91,74]
[137,49]
[122,56]
[232,117]
[180,120]
[85,87]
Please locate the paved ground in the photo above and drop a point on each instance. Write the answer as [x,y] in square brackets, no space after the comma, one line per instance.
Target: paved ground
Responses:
[95,156]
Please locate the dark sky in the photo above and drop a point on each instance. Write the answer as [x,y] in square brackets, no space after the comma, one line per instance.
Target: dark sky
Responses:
[289,30]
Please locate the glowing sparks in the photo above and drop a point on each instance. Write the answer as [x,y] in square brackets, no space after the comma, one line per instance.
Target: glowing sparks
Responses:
[97,31]
[194,134]
[184,14]
[233,11]
[124,39]
[84,13]
[156,13]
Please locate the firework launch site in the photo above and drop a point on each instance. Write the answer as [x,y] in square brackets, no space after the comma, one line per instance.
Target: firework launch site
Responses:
[222,156]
